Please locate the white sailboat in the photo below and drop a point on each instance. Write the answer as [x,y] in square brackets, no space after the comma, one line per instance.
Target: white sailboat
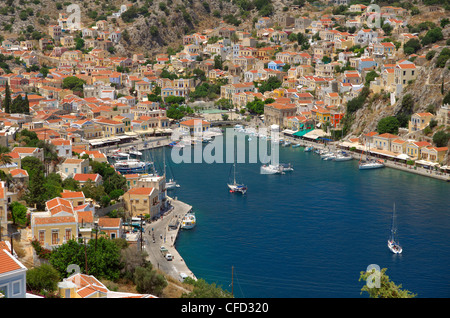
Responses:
[235,186]
[393,243]
[370,164]
[170,183]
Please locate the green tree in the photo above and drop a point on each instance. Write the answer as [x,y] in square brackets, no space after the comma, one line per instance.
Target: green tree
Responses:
[446,99]
[432,36]
[387,288]
[441,138]
[218,63]
[18,213]
[204,290]
[73,83]
[102,255]
[256,106]
[412,46]
[43,278]
[269,85]
[406,110]
[388,125]
[7,100]
[148,281]
[370,77]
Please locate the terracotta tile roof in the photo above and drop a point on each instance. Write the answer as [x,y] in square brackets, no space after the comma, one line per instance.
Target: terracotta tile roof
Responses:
[8,263]
[109,222]
[140,191]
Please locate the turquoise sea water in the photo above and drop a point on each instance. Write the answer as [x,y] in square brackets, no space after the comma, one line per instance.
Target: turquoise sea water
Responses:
[311,232]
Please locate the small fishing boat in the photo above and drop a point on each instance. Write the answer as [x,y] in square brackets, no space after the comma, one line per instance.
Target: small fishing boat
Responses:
[189,221]
[295,145]
[286,143]
[308,149]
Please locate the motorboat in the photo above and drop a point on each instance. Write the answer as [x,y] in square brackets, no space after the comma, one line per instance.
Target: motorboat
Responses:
[370,165]
[132,166]
[308,149]
[119,155]
[172,184]
[330,156]
[295,145]
[276,169]
[342,157]
[135,153]
[189,221]
[324,154]
[286,143]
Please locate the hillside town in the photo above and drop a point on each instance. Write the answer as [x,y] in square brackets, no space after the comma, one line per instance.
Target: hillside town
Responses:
[67,99]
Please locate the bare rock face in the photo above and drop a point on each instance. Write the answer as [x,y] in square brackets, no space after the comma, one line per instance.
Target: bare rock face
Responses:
[425,90]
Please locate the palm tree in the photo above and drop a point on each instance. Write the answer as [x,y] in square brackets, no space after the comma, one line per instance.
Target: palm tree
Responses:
[5,159]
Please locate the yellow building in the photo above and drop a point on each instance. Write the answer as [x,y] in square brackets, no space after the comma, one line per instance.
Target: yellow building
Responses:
[384,141]
[433,154]
[413,148]
[195,125]
[57,225]
[142,201]
[419,121]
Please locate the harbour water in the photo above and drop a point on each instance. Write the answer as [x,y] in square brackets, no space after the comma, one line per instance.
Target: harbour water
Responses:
[311,232]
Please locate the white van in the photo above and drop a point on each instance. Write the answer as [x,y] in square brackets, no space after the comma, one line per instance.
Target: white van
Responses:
[169,257]
[183,276]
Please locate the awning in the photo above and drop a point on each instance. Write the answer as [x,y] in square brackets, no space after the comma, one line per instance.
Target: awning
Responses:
[384,153]
[301,133]
[288,132]
[403,157]
[427,163]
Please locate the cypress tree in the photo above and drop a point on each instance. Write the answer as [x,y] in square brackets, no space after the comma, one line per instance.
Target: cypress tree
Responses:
[7,101]
[25,105]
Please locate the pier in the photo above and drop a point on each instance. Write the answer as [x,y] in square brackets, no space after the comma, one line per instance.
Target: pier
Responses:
[165,232]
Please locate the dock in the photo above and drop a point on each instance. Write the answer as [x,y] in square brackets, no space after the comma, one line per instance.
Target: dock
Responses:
[165,230]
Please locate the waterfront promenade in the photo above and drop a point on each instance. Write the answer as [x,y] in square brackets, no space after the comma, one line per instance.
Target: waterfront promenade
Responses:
[158,233]
[333,146]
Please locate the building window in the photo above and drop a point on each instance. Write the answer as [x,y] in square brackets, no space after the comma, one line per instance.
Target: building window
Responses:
[55,238]
[68,234]
[41,237]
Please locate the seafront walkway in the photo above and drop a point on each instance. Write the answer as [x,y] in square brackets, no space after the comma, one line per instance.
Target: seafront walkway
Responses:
[158,233]
[388,163]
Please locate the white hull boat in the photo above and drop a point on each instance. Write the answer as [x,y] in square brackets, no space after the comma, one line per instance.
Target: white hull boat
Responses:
[370,165]
[393,243]
[237,188]
[188,222]
[132,166]
[343,158]
[172,184]
[276,169]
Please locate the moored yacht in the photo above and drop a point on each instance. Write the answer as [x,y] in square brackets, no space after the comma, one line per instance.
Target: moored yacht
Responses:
[189,221]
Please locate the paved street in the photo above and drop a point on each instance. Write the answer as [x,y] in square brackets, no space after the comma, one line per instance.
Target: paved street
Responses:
[164,236]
